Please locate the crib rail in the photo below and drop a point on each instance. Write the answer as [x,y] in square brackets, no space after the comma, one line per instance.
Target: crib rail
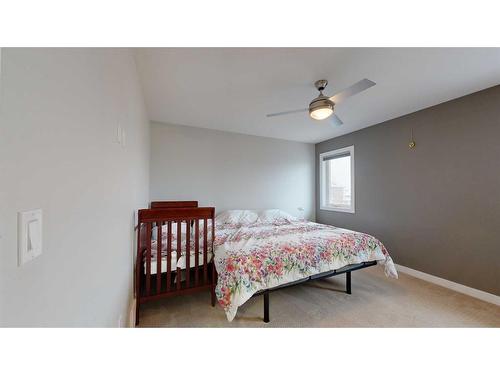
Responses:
[174,251]
[173,204]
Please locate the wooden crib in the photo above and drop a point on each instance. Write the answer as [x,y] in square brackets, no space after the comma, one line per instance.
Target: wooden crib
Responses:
[180,259]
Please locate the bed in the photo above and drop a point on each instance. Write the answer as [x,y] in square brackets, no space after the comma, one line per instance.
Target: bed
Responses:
[255,257]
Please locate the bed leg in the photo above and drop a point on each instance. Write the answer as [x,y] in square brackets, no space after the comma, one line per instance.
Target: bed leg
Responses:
[266,307]
[348,282]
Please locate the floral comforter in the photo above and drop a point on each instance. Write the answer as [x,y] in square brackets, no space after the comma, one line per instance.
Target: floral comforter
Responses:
[261,256]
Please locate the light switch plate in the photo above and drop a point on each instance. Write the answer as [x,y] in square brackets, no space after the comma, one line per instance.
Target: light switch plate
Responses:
[29,239]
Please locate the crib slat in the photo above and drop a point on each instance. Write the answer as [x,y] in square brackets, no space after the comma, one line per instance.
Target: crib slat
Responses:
[196,250]
[178,276]
[205,267]
[169,253]
[188,254]
[148,258]
[159,248]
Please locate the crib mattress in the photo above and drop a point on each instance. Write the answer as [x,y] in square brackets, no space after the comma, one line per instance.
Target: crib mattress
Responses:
[180,263]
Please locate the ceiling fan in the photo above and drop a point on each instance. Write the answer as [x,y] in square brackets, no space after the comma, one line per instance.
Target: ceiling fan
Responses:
[322,107]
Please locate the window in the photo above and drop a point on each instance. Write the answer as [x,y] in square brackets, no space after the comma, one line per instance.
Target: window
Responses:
[337,180]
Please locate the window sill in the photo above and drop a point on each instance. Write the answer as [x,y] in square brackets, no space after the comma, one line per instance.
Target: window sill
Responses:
[338,209]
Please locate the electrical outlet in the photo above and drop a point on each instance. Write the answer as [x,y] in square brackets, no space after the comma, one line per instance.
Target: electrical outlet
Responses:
[121,136]
[136,218]
[124,138]
[118,135]
[120,321]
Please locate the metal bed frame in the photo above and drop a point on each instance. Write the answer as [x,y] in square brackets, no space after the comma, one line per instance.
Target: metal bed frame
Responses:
[347,270]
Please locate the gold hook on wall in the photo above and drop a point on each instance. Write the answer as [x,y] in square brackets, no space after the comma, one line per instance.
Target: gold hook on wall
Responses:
[412,143]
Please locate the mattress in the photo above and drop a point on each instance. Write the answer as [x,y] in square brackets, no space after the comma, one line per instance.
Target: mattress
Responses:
[181,261]
[177,263]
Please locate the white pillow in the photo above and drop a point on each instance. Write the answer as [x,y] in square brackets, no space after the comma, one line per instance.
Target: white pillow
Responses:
[237,217]
[275,216]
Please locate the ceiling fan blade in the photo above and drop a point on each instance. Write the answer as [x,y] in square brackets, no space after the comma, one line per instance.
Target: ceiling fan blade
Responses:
[334,120]
[352,90]
[287,112]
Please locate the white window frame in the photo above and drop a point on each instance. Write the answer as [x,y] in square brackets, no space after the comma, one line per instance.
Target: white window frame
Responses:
[322,180]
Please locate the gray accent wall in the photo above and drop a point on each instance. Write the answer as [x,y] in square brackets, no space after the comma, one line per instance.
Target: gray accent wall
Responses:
[436,207]
[230,170]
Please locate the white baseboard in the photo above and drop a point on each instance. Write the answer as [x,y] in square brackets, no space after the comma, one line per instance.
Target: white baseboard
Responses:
[476,293]
[131,314]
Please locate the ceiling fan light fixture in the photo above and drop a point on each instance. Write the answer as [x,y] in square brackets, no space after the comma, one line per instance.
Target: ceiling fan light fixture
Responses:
[321,108]
[321,113]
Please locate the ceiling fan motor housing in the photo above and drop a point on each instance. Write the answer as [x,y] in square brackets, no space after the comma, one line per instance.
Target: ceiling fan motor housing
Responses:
[322,102]
[321,84]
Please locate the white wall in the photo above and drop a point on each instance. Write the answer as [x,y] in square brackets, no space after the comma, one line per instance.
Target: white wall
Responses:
[231,170]
[59,109]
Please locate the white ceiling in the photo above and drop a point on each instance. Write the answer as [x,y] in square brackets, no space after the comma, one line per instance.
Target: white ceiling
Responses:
[233,89]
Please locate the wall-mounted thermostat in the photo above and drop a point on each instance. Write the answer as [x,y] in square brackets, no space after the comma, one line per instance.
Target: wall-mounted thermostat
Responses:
[29,235]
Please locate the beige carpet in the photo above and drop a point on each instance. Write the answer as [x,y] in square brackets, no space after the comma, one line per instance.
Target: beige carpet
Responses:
[376,302]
